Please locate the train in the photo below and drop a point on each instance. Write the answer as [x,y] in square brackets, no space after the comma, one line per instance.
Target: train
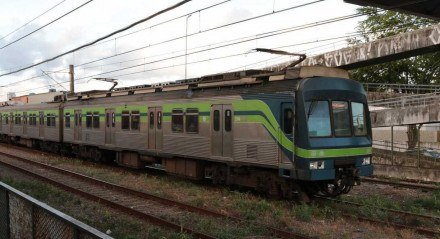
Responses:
[301,131]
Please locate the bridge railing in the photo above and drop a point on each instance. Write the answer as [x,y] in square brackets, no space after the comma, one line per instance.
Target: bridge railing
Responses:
[407,101]
[402,88]
[22,216]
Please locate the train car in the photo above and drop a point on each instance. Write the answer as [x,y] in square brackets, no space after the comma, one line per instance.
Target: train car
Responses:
[36,125]
[301,130]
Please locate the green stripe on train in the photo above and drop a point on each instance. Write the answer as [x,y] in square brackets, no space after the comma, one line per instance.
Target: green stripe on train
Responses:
[328,153]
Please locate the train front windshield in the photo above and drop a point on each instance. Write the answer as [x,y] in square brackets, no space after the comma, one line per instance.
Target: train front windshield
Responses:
[335,118]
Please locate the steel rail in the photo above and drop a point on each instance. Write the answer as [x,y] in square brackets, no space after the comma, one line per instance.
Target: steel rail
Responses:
[421,230]
[128,210]
[165,201]
[401,184]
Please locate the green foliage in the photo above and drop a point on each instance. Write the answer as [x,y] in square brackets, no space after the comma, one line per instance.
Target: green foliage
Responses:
[423,69]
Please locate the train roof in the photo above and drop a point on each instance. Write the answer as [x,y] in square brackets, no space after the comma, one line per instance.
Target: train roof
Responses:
[230,79]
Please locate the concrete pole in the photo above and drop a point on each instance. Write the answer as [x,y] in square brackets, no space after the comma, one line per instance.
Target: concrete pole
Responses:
[186,45]
[72,77]
[392,145]
[418,144]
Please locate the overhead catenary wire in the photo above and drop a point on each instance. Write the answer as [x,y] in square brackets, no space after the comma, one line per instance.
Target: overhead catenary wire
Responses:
[242,40]
[160,43]
[45,25]
[150,27]
[81,80]
[33,19]
[247,37]
[101,38]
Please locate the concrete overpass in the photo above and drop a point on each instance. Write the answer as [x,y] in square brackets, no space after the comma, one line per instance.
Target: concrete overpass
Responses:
[421,8]
[387,49]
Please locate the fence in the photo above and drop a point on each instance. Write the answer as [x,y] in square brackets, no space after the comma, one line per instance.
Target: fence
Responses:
[22,216]
[402,88]
[407,101]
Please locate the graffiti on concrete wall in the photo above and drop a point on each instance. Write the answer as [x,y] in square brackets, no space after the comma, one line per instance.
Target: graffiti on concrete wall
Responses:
[410,43]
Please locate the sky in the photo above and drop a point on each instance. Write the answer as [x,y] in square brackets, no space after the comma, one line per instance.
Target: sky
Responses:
[212,42]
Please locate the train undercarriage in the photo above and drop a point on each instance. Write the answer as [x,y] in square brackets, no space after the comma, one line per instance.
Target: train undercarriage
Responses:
[262,180]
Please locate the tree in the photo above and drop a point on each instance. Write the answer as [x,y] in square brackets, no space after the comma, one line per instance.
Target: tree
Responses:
[423,69]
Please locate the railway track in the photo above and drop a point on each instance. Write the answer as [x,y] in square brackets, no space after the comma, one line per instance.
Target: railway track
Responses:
[127,200]
[426,187]
[408,216]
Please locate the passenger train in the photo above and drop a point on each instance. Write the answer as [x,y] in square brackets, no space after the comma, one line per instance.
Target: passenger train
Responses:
[304,129]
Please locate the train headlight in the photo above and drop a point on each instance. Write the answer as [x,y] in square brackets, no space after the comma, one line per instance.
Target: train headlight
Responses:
[317,165]
[366,161]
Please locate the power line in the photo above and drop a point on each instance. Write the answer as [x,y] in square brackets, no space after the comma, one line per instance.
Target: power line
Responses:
[35,18]
[278,32]
[240,40]
[101,38]
[158,68]
[47,24]
[200,32]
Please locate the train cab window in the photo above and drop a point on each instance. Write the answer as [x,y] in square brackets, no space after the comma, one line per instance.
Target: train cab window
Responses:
[95,120]
[288,121]
[135,120]
[151,120]
[228,120]
[177,121]
[192,120]
[216,120]
[89,120]
[341,118]
[159,120]
[125,120]
[358,116]
[67,120]
[318,118]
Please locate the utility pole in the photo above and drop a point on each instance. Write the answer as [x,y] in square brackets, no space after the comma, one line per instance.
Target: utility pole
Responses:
[186,45]
[72,76]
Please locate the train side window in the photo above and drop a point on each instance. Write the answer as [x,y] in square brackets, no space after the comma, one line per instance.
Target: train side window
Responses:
[113,119]
[6,119]
[125,120]
[53,121]
[192,120]
[89,120]
[159,120]
[228,120]
[107,119]
[96,120]
[177,121]
[358,116]
[288,121]
[25,118]
[76,119]
[151,120]
[135,120]
[80,119]
[216,120]
[48,120]
[67,120]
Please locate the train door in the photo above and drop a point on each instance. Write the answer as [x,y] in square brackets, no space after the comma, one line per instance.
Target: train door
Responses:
[77,131]
[287,119]
[110,126]
[25,121]
[221,130]
[41,124]
[155,133]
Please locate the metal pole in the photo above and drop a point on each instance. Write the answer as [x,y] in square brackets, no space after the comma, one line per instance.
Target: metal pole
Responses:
[418,145]
[392,145]
[186,45]
[72,74]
